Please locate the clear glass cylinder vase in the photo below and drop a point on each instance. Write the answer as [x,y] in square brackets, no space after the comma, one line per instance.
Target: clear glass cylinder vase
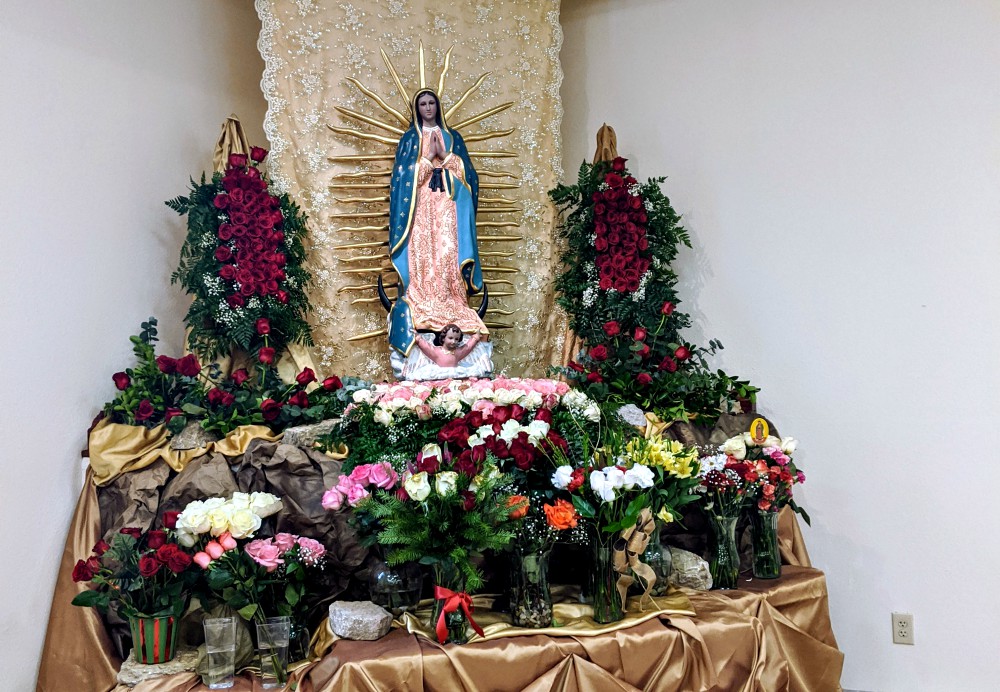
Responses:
[725,558]
[766,553]
[659,560]
[448,576]
[530,599]
[395,587]
[608,606]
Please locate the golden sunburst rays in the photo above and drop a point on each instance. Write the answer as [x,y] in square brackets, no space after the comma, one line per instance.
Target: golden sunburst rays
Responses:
[361,190]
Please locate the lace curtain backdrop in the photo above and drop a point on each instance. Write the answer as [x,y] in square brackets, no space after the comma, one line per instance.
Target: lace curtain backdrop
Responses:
[310,49]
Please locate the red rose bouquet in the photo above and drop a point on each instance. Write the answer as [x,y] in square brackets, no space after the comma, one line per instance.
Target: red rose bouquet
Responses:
[242,262]
[139,574]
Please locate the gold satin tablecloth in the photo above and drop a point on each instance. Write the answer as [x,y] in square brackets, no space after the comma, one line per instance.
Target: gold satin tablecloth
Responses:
[767,636]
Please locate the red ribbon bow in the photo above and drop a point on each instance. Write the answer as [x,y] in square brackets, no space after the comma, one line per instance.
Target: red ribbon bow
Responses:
[452,602]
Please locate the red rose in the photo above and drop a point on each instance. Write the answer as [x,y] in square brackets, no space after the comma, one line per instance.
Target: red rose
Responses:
[101,547]
[171,413]
[221,201]
[332,383]
[640,333]
[235,301]
[599,352]
[575,367]
[428,464]
[122,381]
[599,209]
[682,353]
[468,500]
[667,308]
[156,538]
[668,364]
[643,352]
[556,440]
[605,283]
[618,165]
[643,378]
[237,160]
[635,202]
[305,377]
[263,326]
[173,557]
[612,328]
[594,377]
[544,414]
[258,154]
[228,272]
[299,399]
[166,364]
[236,197]
[170,519]
[270,408]
[465,465]
[401,494]
[601,244]
[501,414]
[575,480]
[214,396]
[455,432]
[266,355]
[131,531]
[223,253]
[82,571]
[240,376]
[225,231]
[189,366]
[498,447]
[613,180]
[145,410]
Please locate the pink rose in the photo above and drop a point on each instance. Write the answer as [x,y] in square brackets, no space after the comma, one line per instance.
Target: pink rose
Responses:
[333,499]
[383,475]
[284,541]
[361,475]
[484,405]
[202,559]
[561,388]
[214,550]
[315,549]
[227,541]
[265,553]
[356,494]
[344,484]
[423,412]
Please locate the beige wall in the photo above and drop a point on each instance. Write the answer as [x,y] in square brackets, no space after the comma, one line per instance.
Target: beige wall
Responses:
[838,166]
[108,107]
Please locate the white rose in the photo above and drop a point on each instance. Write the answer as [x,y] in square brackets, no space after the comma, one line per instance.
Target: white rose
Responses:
[382,416]
[592,412]
[537,430]
[574,398]
[615,476]
[532,400]
[194,518]
[240,500]
[414,402]
[601,487]
[788,445]
[213,502]
[243,523]
[184,538]
[562,476]
[505,397]
[264,504]
[431,450]
[484,431]
[417,486]
[639,475]
[218,518]
[735,447]
[476,440]
[446,483]
[509,430]
[771,441]
[453,408]
[362,396]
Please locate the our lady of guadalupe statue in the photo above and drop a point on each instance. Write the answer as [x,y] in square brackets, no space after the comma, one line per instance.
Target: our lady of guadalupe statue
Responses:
[434,194]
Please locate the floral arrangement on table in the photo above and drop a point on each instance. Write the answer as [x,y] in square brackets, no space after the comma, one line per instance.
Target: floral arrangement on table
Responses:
[176,391]
[620,294]
[242,261]
[618,488]
[437,509]
[257,577]
[146,577]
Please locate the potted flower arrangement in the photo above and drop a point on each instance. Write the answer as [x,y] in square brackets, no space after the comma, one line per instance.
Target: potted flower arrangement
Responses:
[769,473]
[146,577]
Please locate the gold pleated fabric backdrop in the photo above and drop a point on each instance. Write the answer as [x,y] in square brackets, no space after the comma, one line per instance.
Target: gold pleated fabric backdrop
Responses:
[310,50]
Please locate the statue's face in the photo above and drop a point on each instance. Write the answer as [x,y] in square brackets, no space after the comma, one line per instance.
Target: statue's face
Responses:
[452,339]
[427,107]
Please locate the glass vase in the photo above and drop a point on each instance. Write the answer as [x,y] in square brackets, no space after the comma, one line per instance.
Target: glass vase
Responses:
[608,605]
[725,559]
[395,587]
[659,560]
[447,576]
[764,536]
[530,600]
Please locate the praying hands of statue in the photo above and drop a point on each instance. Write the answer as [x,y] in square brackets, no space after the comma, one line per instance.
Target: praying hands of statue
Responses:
[450,353]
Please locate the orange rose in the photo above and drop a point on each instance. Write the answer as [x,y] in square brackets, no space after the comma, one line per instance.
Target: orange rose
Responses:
[561,516]
[521,511]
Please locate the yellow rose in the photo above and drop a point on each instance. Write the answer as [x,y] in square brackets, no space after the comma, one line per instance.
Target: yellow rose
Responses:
[417,486]
[665,516]
[243,523]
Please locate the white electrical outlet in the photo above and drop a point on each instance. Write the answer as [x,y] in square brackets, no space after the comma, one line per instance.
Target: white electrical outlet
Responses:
[902,628]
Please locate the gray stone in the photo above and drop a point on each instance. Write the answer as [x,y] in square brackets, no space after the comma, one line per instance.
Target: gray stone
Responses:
[633,415]
[132,673]
[306,435]
[688,569]
[193,436]
[360,620]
